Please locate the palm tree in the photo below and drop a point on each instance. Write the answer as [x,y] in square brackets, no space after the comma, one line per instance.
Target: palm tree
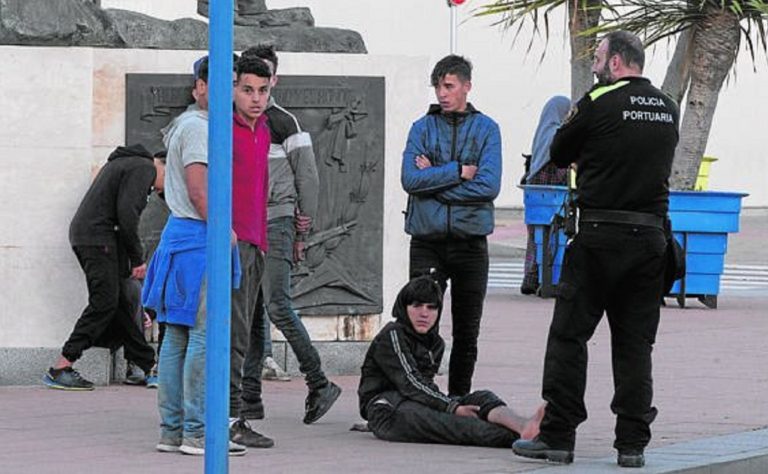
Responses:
[583,15]
[709,38]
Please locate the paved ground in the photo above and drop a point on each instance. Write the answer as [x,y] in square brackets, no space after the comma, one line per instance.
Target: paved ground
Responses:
[710,380]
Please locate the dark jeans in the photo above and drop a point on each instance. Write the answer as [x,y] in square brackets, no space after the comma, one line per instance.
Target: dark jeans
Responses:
[393,418]
[465,264]
[616,269]
[243,305]
[276,292]
[107,321]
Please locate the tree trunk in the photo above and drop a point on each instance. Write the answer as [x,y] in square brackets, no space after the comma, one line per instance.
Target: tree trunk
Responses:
[714,46]
[678,75]
[583,14]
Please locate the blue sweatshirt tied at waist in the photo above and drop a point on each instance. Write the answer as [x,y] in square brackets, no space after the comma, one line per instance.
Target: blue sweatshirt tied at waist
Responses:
[177,271]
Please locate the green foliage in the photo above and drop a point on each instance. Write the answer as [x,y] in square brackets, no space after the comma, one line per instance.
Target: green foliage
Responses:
[654,20]
[651,19]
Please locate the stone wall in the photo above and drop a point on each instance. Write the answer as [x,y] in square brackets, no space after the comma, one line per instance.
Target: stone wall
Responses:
[64,111]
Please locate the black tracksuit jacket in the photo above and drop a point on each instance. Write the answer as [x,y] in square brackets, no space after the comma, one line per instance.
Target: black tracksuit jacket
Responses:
[399,359]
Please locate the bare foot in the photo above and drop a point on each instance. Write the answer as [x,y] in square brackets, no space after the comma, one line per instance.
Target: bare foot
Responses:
[62,363]
[531,428]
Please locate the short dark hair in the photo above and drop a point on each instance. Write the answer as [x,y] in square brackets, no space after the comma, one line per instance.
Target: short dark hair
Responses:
[200,68]
[628,46]
[252,65]
[452,64]
[263,51]
[161,154]
[423,289]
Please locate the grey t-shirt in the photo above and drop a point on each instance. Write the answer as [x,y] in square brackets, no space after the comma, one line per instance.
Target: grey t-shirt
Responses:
[186,139]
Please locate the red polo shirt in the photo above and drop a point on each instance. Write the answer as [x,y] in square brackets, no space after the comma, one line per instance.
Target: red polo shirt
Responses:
[250,180]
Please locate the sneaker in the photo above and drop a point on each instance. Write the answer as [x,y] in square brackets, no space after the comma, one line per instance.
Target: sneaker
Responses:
[634,458]
[271,370]
[168,445]
[236,449]
[196,447]
[134,375]
[66,379]
[241,433]
[252,410]
[319,401]
[151,381]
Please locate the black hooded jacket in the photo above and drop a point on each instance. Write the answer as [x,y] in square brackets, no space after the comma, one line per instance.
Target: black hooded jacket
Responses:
[109,212]
[402,360]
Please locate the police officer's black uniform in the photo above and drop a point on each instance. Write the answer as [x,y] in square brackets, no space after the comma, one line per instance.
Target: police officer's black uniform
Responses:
[622,138]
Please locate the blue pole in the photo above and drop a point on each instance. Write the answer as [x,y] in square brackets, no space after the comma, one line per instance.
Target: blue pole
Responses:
[218,256]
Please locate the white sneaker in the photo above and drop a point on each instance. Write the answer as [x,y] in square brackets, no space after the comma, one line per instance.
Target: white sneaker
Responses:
[196,447]
[271,370]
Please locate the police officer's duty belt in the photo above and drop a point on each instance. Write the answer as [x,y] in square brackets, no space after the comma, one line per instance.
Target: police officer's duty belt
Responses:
[610,216]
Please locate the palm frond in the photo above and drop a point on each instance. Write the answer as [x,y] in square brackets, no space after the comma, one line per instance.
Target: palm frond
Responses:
[516,14]
[654,20]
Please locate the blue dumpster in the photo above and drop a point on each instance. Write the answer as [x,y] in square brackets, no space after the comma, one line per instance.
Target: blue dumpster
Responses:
[701,222]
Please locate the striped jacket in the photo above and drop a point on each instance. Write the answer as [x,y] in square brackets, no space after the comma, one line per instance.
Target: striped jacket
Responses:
[397,361]
[293,178]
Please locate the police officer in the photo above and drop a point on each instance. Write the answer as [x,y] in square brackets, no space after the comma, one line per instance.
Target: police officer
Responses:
[622,135]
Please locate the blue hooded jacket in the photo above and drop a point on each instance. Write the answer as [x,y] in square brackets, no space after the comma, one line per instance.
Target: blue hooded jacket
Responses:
[441,204]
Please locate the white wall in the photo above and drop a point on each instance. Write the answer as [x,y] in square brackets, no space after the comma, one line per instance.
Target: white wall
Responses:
[45,158]
[511,86]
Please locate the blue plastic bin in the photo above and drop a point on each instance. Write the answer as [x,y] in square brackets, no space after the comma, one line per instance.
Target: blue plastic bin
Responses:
[701,222]
[542,202]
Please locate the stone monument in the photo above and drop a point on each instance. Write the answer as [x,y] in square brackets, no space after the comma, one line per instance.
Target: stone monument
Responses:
[256,13]
[341,274]
[85,23]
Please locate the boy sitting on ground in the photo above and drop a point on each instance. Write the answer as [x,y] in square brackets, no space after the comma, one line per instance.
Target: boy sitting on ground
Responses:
[398,395]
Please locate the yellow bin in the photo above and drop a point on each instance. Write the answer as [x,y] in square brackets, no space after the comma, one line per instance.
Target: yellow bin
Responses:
[702,180]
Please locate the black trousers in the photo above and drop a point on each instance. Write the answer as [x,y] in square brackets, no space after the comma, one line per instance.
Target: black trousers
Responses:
[465,264]
[614,269]
[107,321]
[393,418]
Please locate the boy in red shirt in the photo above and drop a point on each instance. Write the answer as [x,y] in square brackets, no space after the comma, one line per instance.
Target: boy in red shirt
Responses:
[250,151]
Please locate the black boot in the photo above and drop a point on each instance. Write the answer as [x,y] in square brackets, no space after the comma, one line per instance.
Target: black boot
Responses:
[537,449]
[631,458]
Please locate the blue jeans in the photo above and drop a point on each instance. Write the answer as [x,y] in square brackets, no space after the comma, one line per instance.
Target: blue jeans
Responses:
[276,288]
[181,390]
